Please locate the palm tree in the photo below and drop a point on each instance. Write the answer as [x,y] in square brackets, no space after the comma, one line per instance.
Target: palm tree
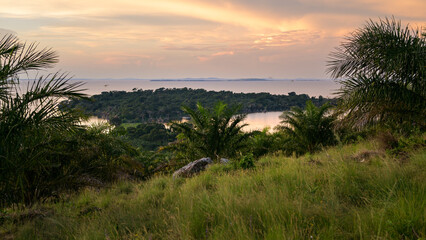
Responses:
[30,120]
[308,129]
[381,68]
[213,133]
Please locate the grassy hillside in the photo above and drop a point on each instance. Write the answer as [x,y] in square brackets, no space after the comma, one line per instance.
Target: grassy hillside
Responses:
[349,192]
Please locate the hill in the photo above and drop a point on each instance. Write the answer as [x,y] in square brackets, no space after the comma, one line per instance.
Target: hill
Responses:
[356,191]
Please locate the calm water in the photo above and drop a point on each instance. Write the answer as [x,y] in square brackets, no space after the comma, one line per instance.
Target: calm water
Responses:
[256,121]
[325,88]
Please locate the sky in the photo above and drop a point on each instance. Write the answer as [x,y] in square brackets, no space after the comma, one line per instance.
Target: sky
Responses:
[154,39]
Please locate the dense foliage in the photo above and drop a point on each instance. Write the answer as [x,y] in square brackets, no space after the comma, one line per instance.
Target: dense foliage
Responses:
[214,133]
[149,136]
[44,150]
[382,69]
[308,129]
[164,105]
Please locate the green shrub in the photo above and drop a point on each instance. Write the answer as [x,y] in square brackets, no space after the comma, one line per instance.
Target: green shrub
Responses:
[246,161]
[308,130]
[214,133]
[263,142]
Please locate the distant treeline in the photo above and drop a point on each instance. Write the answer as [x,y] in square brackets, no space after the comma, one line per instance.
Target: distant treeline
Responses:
[164,105]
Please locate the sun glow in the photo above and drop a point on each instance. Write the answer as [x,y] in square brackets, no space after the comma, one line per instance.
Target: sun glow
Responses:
[224,37]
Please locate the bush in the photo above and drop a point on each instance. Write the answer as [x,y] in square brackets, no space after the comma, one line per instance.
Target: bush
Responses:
[246,161]
[308,130]
[214,133]
[262,142]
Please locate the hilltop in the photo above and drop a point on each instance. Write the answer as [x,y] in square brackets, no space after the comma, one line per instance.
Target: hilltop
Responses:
[345,192]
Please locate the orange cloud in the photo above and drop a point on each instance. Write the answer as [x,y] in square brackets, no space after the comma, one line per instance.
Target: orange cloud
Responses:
[184,32]
[217,54]
[223,53]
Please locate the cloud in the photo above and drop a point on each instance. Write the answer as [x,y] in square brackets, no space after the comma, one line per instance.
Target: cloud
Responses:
[199,47]
[121,59]
[233,37]
[282,39]
[223,53]
[158,20]
[214,55]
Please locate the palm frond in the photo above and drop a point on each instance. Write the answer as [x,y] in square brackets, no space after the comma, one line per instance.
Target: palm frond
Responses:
[381,68]
[213,132]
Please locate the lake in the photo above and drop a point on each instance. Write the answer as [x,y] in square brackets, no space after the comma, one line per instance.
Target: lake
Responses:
[256,121]
[325,88]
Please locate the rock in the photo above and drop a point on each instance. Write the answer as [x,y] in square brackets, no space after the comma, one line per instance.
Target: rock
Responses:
[192,168]
[365,156]
[224,161]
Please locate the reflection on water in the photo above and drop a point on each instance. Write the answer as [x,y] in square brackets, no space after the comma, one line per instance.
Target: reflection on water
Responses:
[255,121]
[94,121]
[258,121]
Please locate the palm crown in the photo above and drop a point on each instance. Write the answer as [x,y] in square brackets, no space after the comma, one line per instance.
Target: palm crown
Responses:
[382,71]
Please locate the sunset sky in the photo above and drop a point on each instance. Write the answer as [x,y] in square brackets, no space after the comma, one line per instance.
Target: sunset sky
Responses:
[280,39]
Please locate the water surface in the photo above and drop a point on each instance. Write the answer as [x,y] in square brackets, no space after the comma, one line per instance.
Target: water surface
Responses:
[258,121]
[325,88]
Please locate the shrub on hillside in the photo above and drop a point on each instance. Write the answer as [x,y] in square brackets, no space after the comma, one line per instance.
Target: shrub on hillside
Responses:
[308,130]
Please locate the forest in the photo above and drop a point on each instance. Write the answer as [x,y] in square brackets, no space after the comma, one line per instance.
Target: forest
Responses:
[164,105]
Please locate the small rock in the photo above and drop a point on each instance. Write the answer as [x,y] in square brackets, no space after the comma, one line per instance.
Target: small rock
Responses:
[192,168]
[224,161]
[365,156]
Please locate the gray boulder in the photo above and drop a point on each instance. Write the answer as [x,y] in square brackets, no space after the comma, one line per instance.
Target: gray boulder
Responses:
[224,161]
[192,168]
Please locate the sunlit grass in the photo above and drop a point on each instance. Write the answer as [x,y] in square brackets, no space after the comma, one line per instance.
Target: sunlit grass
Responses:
[329,195]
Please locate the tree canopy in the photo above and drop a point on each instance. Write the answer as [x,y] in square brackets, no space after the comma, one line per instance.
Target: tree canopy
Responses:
[308,129]
[164,105]
[213,133]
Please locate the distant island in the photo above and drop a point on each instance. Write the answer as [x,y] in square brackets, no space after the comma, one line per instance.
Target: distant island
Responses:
[212,80]
[164,105]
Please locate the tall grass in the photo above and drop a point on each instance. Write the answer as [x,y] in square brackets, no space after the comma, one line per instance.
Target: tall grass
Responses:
[329,195]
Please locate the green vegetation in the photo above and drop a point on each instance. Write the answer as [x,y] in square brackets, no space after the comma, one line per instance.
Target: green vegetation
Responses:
[148,136]
[214,133]
[351,192]
[164,105]
[309,130]
[43,150]
[290,184]
[383,66]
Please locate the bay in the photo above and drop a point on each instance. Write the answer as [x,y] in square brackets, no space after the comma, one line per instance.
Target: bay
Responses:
[255,121]
[258,121]
[316,88]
